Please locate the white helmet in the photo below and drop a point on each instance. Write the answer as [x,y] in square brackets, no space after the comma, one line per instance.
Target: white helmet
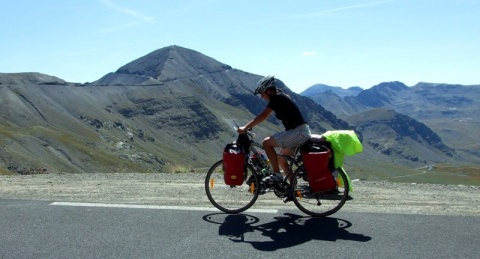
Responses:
[264,84]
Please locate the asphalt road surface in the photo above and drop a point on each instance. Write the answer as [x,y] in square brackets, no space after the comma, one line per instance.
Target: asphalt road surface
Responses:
[42,229]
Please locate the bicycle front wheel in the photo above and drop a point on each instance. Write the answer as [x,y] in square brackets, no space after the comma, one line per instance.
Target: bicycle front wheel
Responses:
[323,203]
[231,198]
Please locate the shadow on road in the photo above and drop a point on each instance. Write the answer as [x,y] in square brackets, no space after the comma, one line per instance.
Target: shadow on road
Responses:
[284,231]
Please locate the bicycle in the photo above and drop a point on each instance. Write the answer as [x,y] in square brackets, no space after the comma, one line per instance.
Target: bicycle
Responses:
[238,198]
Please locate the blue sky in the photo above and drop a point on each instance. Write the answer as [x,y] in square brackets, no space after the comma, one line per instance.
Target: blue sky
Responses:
[339,43]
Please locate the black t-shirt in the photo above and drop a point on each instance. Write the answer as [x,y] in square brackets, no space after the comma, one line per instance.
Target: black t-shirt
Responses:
[286,111]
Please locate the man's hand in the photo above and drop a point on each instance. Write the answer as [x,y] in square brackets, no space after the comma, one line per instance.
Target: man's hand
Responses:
[242,130]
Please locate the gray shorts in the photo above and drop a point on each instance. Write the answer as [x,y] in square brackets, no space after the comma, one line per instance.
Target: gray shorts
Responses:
[294,137]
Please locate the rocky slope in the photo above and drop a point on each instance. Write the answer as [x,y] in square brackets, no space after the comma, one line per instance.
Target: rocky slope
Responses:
[448,111]
[172,109]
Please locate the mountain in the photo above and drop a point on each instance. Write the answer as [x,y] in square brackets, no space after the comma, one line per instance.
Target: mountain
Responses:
[192,72]
[172,108]
[334,103]
[163,66]
[381,95]
[447,110]
[318,89]
[398,135]
[29,79]
[331,97]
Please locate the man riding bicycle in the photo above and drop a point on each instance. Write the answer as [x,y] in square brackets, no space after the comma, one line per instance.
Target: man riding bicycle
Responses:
[296,133]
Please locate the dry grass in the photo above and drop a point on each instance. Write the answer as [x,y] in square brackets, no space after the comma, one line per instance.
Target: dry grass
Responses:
[178,169]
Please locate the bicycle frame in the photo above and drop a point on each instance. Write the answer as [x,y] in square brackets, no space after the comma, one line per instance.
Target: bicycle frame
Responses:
[292,160]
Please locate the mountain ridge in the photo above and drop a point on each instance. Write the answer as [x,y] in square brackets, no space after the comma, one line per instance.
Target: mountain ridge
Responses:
[154,119]
[448,110]
[172,108]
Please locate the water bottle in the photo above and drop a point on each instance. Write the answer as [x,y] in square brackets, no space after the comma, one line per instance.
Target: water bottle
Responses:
[266,163]
[265,172]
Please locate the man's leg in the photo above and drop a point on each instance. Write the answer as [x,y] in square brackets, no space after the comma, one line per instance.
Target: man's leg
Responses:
[283,162]
[269,145]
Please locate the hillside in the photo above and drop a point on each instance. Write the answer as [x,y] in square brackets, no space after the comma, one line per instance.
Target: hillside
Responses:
[191,72]
[174,109]
[171,110]
[400,136]
[448,110]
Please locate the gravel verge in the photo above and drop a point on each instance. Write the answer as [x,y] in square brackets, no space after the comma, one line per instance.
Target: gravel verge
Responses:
[187,189]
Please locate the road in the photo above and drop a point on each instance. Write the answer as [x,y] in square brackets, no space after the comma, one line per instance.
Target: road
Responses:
[40,229]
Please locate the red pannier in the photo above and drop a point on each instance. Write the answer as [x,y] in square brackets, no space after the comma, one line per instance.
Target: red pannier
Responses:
[316,159]
[233,164]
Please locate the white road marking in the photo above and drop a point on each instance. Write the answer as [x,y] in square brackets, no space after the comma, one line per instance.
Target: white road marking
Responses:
[154,207]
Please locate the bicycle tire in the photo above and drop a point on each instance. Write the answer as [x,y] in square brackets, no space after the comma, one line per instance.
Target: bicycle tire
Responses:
[231,199]
[319,204]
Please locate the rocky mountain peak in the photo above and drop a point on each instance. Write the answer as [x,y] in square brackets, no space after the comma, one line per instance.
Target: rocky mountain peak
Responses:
[164,65]
[380,94]
[394,86]
[318,89]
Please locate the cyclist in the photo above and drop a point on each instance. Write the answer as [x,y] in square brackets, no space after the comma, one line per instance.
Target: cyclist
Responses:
[296,131]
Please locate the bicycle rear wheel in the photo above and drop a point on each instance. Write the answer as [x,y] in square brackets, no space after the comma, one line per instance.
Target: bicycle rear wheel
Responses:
[227,198]
[319,204]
